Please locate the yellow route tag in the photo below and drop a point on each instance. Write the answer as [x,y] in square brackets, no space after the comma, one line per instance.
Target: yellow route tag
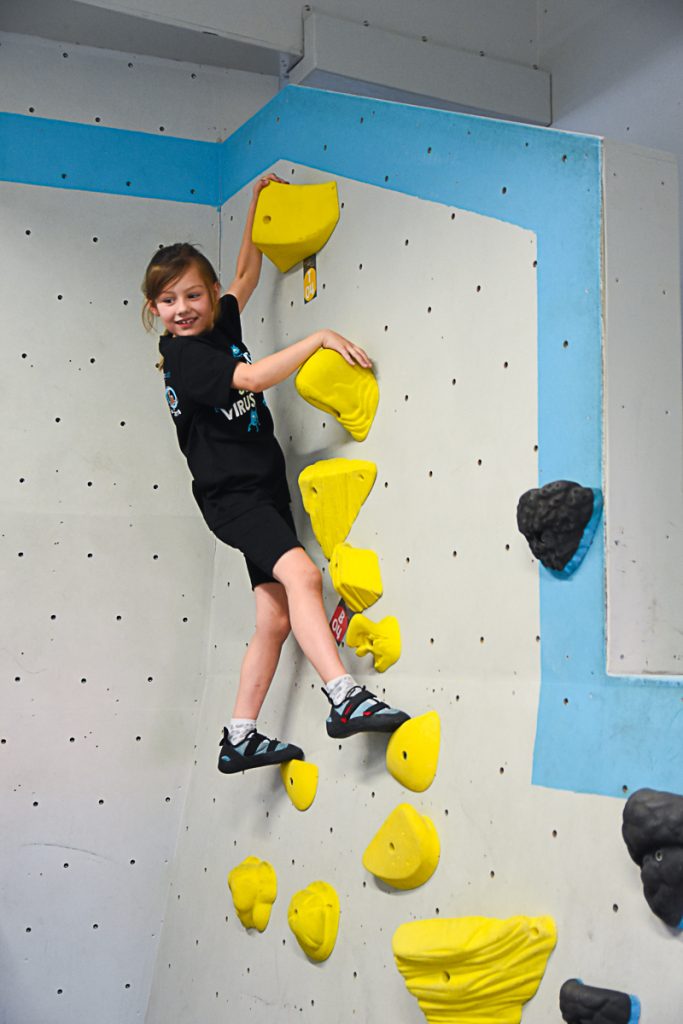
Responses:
[310,279]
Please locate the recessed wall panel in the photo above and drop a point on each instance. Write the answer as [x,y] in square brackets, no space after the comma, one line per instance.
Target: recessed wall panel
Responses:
[105,602]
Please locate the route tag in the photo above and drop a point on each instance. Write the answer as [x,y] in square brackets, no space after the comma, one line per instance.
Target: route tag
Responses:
[310,279]
[339,622]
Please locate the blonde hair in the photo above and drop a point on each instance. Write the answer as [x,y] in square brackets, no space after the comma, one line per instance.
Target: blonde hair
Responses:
[166,266]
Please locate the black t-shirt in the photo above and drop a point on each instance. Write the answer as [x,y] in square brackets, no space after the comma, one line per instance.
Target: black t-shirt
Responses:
[225,434]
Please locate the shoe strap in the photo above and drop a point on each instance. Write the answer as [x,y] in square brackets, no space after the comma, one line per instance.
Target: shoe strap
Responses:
[254,741]
[355,700]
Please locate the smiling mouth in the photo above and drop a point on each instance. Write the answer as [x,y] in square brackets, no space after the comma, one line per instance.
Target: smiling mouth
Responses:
[186,323]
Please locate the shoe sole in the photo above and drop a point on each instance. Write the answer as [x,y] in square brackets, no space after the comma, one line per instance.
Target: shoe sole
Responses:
[280,757]
[376,723]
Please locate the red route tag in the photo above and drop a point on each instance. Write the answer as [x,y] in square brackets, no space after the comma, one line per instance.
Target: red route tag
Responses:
[339,622]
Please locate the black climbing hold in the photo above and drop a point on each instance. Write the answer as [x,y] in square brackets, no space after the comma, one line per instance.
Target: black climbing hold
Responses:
[559,522]
[653,832]
[585,1004]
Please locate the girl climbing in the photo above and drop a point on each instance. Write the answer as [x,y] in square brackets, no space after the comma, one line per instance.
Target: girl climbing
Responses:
[225,430]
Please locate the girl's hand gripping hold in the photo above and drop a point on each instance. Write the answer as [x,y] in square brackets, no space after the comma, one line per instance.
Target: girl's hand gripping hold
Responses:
[352,353]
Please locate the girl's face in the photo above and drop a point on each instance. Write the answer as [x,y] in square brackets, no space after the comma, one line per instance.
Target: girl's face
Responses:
[186,306]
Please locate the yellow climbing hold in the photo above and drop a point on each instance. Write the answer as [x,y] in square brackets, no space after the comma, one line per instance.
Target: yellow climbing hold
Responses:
[333,491]
[313,916]
[413,750]
[253,885]
[356,576]
[294,221]
[349,393]
[405,851]
[300,779]
[474,970]
[381,639]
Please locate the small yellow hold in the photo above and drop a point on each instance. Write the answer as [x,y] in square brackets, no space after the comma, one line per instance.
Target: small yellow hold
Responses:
[381,639]
[349,393]
[294,221]
[474,970]
[313,916]
[356,576]
[253,885]
[406,849]
[300,779]
[333,491]
[413,750]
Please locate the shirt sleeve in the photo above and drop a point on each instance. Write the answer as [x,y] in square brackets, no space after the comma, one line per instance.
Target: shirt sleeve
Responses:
[228,320]
[206,373]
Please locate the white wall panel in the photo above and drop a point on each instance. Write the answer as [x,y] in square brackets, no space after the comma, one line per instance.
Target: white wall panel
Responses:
[124,90]
[643,413]
[470,626]
[106,576]
[452,328]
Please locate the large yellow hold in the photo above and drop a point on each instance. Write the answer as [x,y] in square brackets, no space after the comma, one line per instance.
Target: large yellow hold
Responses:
[313,916]
[300,779]
[356,576]
[406,849]
[333,492]
[349,393]
[381,639]
[413,751]
[474,970]
[253,885]
[294,221]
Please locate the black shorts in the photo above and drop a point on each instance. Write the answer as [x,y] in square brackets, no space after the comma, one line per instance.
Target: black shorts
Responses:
[263,535]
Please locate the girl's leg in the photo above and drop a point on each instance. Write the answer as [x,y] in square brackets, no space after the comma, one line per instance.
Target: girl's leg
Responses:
[302,582]
[354,709]
[263,652]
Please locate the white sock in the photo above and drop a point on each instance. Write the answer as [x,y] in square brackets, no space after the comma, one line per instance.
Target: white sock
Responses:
[240,728]
[337,688]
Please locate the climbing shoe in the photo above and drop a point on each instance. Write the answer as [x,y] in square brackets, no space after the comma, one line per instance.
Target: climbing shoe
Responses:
[361,711]
[254,751]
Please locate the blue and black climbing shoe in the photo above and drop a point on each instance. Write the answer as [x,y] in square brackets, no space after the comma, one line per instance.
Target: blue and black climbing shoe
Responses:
[254,751]
[361,711]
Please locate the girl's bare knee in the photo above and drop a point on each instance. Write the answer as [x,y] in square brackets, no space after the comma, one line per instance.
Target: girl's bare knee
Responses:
[299,572]
[280,628]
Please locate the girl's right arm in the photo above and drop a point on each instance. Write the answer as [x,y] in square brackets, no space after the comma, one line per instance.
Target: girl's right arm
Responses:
[270,370]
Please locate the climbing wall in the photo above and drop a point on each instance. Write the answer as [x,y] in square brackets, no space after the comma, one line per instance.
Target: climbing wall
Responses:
[106,569]
[446,302]
[104,608]
[467,262]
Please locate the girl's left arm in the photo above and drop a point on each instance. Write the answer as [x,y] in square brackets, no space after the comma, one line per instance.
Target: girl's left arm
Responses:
[249,259]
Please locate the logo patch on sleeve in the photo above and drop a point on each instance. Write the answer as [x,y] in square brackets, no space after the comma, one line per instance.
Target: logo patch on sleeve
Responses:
[172,400]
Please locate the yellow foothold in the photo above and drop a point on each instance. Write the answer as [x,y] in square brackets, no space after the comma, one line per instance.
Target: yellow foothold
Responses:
[300,779]
[294,221]
[349,393]
[253,885]
[474,970]
[382,639]
[313,916]
[356,576]
[333,492]
[406,849]
[413,750]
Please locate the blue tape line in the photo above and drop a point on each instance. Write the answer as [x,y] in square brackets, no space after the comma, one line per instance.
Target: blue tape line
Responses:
[635,1010]
[58,154]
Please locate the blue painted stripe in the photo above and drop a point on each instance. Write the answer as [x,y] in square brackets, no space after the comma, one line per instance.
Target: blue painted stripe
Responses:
[635,1010]
[37,151]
